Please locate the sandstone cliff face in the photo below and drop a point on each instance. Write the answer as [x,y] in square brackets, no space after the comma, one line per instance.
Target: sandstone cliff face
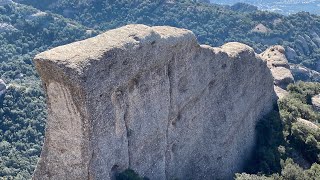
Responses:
[151,99]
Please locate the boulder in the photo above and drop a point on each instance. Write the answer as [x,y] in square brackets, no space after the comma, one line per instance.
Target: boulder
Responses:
[153,100]
[280,69]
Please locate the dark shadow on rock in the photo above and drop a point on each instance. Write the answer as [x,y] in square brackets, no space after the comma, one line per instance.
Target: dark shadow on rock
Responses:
[270,141]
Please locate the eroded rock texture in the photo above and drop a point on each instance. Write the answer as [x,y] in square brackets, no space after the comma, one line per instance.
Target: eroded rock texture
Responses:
[151,99]
[280,69]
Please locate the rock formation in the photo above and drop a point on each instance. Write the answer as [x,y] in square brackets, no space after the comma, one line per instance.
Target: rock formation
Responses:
[280,69]
[303,73]
[151,99]
[307,124]
[260,28]
[316,102]
[291,54]
[3,87]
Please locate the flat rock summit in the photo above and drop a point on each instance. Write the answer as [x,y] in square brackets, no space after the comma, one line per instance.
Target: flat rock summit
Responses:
[153,100]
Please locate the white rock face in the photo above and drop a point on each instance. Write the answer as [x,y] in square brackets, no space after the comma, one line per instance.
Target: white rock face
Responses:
[6,27]
[3,87]
[151,99]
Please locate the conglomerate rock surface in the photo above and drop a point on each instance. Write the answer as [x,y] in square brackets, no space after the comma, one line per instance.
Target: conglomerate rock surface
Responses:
[151,99]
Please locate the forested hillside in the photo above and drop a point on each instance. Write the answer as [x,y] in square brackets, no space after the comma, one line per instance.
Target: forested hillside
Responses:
[213,24]
[281,6]
[25,31]
[289,139]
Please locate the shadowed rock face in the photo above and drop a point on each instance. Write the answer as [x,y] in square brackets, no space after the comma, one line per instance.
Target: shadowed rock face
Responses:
[151,99]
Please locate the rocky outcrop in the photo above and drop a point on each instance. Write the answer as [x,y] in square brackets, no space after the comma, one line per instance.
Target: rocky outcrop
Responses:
[302,45]
[3,87]
[278,64]
[260,28]
[315,38]
[151,99]
[303,73]
[316,102]
[307,124]
[5,27]
[291,54]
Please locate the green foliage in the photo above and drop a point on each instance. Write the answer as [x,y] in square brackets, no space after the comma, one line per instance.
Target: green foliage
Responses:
[22,108]
[298,105]
[290,171]
[212,24]
[307,141]
[22,121]
[129,174]
[284,136]
[27,33]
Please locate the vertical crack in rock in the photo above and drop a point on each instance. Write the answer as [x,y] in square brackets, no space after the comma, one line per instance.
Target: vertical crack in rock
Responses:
[125,119]
[169,76]
[120,102]
[89,165]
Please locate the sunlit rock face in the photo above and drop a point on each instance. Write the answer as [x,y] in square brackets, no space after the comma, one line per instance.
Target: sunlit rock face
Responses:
[3,87]
[277,62]
[151,99]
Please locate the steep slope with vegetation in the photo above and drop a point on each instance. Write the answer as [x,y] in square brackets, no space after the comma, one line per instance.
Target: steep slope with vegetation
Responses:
[213,24]
[289,140]
[25,31]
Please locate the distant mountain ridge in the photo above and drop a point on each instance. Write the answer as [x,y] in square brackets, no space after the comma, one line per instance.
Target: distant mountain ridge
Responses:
[213,24]
[44,24]
[280,6]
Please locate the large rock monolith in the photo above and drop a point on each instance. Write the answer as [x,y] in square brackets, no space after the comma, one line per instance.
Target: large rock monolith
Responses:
[151,99]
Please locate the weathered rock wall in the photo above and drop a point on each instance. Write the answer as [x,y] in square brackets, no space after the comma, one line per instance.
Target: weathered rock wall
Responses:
[151,99]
